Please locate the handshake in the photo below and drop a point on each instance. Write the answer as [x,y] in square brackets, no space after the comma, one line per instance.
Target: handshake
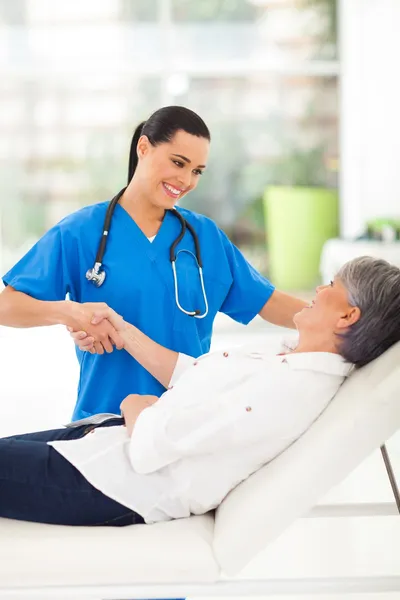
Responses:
[95,327]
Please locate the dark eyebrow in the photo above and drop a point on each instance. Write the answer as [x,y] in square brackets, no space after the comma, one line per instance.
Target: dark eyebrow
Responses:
[187,160]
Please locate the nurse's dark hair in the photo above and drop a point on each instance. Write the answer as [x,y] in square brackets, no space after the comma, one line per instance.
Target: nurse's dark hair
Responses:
[161,127]
[373,285]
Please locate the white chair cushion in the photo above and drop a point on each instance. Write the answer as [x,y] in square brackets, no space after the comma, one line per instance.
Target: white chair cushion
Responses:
[363,415]
[32,554]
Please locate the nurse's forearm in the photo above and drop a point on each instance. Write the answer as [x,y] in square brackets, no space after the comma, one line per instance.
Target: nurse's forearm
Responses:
[156,359]
[20,310]
[281,308]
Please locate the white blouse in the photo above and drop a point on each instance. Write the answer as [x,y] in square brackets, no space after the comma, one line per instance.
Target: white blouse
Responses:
[224,416]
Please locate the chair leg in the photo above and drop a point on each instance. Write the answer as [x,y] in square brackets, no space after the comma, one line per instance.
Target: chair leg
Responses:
[391,476]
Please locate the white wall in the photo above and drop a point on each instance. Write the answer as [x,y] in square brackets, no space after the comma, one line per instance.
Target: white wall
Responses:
[370,111]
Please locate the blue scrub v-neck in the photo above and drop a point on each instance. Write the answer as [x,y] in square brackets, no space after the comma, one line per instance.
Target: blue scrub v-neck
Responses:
[163,237]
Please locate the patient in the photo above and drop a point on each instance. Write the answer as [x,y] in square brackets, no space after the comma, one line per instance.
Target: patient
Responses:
[223,416]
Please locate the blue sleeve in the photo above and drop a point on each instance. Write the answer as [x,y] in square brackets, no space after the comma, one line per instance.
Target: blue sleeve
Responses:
[249,290]
[44,271]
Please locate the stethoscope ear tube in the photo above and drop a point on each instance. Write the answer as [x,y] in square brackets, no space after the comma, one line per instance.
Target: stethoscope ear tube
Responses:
[184,224]
[95,275]
[196,244]
[106,227]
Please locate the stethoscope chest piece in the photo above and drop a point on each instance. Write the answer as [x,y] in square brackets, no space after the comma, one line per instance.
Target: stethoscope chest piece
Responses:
[96,276]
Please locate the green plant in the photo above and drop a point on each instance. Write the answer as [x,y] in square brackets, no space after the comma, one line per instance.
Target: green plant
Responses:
[328,10]
[306,168]
[214,10]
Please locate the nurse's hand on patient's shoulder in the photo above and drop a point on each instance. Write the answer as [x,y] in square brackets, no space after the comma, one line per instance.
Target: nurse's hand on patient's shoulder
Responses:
[94,336]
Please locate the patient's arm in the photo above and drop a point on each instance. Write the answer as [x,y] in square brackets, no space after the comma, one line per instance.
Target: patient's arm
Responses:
[156,359]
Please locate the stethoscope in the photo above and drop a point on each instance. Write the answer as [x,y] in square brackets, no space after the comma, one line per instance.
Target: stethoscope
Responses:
[97,275]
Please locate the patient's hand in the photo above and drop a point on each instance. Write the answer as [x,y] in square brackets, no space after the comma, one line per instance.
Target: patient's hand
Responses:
[132,406]
[87,343]
[133,399]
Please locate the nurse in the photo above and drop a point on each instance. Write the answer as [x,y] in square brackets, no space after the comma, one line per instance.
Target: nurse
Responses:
[169,154]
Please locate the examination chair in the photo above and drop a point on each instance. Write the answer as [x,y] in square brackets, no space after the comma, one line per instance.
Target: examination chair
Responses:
[209,554]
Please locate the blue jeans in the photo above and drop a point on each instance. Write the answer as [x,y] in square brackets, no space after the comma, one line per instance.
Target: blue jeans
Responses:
[38,484]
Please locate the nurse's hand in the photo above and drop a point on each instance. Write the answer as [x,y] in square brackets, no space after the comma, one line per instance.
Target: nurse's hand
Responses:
[96,338]
[84,341]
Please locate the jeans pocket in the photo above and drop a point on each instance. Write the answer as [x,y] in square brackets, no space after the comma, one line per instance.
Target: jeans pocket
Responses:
[129,518]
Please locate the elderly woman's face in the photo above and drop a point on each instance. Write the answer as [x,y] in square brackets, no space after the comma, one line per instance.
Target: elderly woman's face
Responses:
[329,310]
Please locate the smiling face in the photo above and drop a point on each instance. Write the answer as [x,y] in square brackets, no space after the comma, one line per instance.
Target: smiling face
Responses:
[171,169]
[329,313]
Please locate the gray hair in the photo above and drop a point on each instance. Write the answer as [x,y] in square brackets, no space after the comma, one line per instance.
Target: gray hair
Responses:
[373,285]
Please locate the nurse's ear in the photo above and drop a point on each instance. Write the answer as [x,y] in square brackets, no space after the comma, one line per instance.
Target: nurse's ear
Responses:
[143,146]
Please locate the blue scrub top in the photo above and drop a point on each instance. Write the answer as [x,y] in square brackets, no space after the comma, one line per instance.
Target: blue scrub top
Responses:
[139,285]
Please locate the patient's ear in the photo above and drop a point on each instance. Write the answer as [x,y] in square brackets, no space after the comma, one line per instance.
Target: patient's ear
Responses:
[350,317]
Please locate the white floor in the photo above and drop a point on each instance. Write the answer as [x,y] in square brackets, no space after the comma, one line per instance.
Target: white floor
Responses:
[38,388]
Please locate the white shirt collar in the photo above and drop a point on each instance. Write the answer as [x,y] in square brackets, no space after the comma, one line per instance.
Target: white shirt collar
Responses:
[323,362]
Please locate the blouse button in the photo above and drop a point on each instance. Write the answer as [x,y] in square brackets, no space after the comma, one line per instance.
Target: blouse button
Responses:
[195,363]
[248,408]
[225,354]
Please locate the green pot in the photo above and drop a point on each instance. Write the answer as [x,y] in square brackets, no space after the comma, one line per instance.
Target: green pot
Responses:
[298,222]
